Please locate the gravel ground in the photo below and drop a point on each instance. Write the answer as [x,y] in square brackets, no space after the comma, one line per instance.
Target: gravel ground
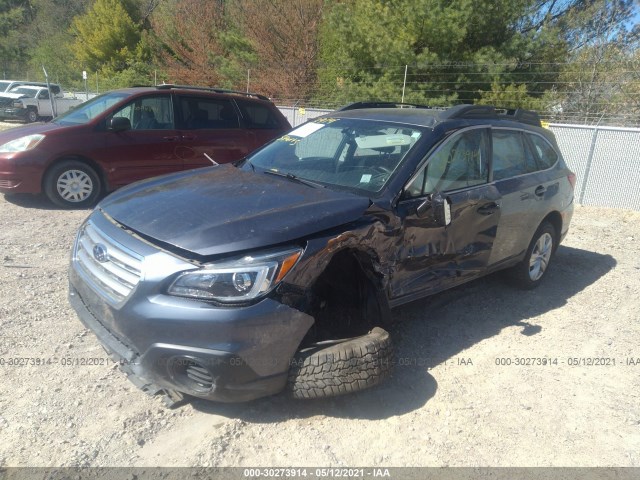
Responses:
[449,402]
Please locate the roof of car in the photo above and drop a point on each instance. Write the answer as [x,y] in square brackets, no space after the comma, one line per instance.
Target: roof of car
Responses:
[429,117]
[194,89]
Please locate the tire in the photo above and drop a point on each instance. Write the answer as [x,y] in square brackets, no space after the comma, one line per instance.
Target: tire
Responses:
[72,184]
[533,268]
[342,368]
[32,115]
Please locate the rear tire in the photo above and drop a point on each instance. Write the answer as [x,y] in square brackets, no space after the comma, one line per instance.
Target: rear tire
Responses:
[533,268]
[342,368]
[72,184]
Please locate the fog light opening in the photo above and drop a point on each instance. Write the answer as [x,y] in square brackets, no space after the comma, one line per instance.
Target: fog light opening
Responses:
[192,374]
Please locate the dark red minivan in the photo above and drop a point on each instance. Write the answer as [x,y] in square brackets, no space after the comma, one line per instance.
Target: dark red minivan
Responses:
[131,134]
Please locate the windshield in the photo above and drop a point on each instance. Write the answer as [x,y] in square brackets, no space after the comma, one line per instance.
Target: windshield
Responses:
[358,155]
[89,110]
[30,92]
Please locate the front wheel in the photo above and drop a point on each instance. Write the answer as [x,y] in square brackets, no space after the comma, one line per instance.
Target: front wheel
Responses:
[532,269]
[32,115]
[72,184]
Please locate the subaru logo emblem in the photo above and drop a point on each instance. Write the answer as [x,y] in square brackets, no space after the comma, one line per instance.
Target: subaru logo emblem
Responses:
[100,253]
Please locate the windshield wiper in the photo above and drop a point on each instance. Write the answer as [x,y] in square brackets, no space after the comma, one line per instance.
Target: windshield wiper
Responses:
[291,176]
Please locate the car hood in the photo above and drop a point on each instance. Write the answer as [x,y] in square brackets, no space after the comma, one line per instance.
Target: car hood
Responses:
[222,209]
[13,96]
[24,130]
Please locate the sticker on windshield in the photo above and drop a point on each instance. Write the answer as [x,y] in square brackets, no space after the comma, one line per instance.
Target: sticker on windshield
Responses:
[366,178]
[306,129]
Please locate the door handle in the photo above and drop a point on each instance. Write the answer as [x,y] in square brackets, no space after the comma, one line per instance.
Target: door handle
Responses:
[171,139]
[189,137]
[540,191]
[488,209]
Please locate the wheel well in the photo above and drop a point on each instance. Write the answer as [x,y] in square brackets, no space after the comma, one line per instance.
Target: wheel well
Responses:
[555,219]
[78,158]
[347,299]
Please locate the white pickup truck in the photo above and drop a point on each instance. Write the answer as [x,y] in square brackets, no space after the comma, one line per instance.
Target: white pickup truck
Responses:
[30,103]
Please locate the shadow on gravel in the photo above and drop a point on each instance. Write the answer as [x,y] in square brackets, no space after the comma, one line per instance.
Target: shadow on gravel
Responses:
[440,328]
[27,200]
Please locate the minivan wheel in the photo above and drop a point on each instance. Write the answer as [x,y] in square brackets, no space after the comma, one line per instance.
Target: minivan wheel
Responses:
[532,269]
[72,184]
[332,369]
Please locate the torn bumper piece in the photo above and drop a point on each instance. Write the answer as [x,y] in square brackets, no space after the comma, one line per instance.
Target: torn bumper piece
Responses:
[212,374]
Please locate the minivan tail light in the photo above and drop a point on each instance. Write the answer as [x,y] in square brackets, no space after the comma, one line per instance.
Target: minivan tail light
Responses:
[572,179]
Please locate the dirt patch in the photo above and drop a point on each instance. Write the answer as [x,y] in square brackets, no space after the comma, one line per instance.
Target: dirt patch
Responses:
[457,396]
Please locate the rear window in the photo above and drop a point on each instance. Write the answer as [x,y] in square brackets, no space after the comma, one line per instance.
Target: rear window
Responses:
[257,115]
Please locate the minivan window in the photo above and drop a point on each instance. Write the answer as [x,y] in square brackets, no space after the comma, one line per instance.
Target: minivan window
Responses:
[89,110]
[257,116]
[547,156]
[510,155]
[210,113]
[459,163]
[148,113]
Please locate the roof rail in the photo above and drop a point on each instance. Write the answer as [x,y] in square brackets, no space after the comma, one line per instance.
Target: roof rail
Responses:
[469,112]
[523,116]
[374,104]
[167,86]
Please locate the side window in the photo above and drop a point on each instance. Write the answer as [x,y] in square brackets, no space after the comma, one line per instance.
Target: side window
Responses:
[510,155]
[547,156]
[257,115]
[148,113]
[459,163]
[43,95]
[210,113]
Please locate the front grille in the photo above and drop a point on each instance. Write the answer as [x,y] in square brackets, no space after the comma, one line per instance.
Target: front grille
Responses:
[6,102]
[113,269]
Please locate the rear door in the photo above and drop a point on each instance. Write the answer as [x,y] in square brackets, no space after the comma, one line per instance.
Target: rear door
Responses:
[149,148]
[210,128]
[528,190]
[431,257]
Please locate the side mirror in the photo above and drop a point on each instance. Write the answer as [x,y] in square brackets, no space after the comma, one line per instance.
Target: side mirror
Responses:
[119,124]
[440,205]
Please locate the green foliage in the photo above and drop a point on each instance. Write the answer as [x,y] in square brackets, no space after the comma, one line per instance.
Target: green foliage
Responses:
[13,15]
[106,36]
[511,96]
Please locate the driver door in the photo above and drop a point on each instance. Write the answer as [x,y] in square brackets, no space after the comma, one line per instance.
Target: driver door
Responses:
[433,257]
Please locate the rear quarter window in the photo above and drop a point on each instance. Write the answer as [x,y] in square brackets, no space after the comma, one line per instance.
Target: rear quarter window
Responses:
[257,115]
[547,156]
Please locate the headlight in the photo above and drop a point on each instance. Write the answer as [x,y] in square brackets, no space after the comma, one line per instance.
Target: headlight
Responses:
[22,144]
[238,280]
[18,105]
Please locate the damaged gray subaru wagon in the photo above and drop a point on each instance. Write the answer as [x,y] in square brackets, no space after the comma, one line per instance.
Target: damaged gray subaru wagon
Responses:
[279,272]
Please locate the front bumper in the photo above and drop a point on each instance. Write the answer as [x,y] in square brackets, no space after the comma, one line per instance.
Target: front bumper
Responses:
[168,343]
[12,113]
[20,172]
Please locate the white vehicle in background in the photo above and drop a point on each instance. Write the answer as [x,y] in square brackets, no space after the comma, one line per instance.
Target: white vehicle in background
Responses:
[30,103]
[7,85]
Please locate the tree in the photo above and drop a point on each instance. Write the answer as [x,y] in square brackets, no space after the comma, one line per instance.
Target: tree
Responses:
[106,36]
[13,15]
[196,43]
[455,50]
[284,36]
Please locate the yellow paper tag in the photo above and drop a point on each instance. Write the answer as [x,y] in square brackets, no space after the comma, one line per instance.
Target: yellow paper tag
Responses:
[302,111]
[544,124]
